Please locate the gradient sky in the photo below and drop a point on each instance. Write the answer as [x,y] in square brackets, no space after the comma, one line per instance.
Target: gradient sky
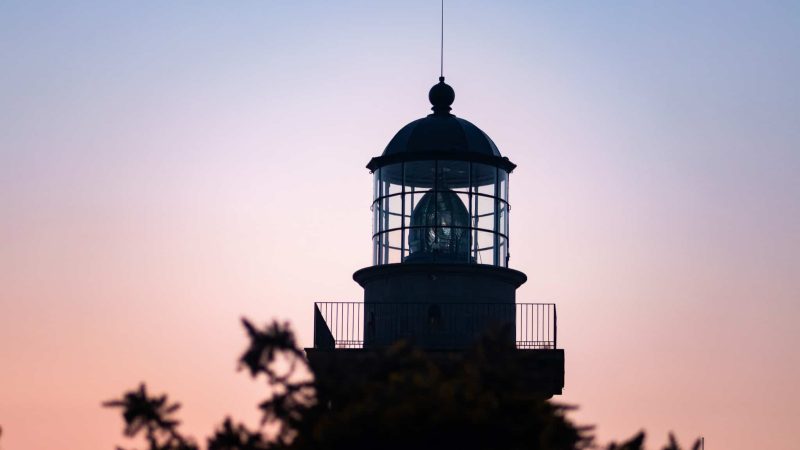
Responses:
[167,167]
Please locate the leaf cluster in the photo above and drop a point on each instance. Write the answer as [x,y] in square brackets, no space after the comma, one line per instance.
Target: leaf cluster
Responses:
[154,416]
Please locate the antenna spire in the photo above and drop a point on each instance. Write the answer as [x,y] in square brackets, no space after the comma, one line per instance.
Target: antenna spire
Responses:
[441,94]
[441,47]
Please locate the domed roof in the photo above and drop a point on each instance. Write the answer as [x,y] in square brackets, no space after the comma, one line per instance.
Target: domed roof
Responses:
[441,131]
[441,136]
[445,133]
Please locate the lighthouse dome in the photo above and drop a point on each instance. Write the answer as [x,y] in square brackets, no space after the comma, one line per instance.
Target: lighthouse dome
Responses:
[441,131]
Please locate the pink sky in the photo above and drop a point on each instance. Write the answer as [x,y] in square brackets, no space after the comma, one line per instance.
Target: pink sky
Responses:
[165,170]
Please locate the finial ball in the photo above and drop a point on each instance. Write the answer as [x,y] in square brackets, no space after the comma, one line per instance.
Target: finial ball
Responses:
[441,97]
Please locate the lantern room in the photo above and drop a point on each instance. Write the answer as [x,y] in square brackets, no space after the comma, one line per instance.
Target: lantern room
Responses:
[440,192]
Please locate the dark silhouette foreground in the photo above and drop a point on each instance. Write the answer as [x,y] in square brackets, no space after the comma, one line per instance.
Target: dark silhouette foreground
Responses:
[406,402]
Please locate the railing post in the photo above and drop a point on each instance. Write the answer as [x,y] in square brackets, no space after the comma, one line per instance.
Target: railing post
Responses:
[316,308]
[555,327]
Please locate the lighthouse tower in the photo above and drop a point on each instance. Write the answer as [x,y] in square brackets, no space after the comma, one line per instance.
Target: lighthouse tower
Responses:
[440,276]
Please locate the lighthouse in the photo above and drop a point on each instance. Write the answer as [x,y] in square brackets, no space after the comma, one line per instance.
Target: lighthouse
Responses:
[440,277]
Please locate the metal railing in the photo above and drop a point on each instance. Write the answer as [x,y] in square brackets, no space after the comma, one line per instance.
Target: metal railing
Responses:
[432,325]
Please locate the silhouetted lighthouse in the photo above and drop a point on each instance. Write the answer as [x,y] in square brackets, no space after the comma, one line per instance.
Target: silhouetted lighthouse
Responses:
[440,275]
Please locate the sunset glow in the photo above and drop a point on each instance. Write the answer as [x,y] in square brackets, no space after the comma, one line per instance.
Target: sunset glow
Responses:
[167,168]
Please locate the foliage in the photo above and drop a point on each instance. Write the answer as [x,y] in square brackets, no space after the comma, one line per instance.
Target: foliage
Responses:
[406,401]
[153,415]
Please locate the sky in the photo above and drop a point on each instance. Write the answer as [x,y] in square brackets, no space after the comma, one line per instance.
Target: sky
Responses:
[169,167]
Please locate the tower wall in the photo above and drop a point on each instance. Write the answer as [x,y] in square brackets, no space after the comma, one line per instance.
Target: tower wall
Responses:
[437,305]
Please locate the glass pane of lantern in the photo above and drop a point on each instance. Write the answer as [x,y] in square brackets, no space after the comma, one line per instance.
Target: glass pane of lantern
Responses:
[413,197]
[485,247]
[376,179]
[409,206]
[485,240]
[502,218]
[379,215]
[484,177]
[464,200]
[379,249]
[392,174]
[387,189]
[374,208]
[502,177]
[395,216]
[483,212]
[486,257]
[453,175]
[394,246]
[385,248]
[419,175]
[502,251]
